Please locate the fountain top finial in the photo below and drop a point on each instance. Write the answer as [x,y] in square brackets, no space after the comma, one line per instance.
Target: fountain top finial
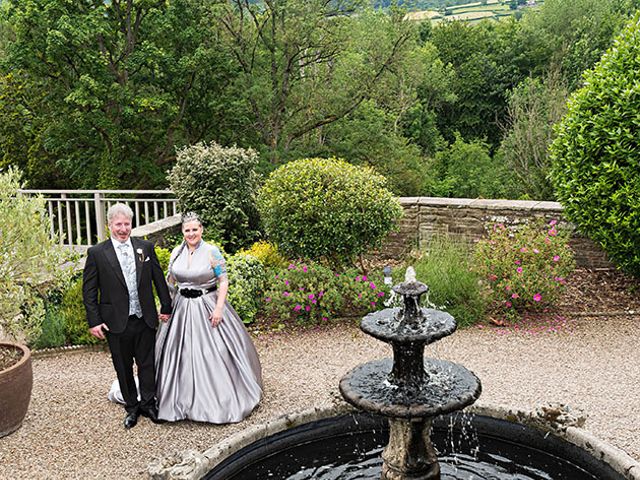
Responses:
[410,274]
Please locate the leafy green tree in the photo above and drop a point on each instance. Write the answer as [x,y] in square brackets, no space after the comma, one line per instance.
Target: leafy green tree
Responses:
[305,64]
[466,170]
[105,90]
[534,107]
[595,165]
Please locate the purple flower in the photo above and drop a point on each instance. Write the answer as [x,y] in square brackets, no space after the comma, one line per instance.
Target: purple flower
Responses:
[321,293]
[364,278]
[286,282]
[304,269]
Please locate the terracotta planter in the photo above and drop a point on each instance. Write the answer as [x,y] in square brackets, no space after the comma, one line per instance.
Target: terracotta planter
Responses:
[15,390]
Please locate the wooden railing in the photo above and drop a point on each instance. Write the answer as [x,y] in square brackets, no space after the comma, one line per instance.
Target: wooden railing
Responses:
[78,218]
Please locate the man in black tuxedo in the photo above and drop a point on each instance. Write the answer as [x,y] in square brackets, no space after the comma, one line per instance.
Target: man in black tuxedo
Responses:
[118,297]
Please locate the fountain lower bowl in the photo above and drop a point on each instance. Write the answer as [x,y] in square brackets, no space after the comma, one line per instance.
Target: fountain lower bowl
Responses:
[347,447]
[447,387]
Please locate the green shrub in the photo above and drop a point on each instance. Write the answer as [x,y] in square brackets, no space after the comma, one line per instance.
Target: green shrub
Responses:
[30,261]
[453,286]
[247,280]
[73,312]
[163,254]
[220,184]
[525,269]
[53,325]
[307,293]
[326,208]
[595,165]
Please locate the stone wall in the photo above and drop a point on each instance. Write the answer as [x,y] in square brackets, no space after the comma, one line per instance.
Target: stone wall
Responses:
[470,219]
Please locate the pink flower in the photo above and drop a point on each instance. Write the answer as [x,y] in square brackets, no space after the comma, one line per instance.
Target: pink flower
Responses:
[381,294]
[311,296]
[297,308]
[508,288]
[304,269]
[321,293]
[372,286]
[324,319]
[301,289]
[285,294]
[556,258]
[286,282]
[507,304]
[535,250]
[359,295]
[519,269]
[553,232]
[364,278]
[553,222]
[517,262]
[291,266]
[493,278]
[358,278]
[537,297]
[523,249]
[515,295]
[307,308]
[373,304]
[314,301]
[268,299]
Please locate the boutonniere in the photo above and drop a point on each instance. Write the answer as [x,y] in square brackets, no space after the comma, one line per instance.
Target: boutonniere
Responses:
[140,254]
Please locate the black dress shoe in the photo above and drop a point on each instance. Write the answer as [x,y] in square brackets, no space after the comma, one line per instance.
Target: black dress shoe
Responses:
[130,420]
[151,413]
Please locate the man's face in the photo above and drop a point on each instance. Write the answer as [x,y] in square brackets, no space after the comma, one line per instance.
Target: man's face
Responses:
[120,227]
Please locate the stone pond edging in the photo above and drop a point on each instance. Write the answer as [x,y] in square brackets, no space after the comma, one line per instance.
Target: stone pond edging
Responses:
[193,465]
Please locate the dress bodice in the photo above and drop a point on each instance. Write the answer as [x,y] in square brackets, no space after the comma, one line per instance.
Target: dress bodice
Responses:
[201,268]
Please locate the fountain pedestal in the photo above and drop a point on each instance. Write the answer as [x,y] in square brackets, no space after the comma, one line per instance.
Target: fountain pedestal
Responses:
[411,390]
[410,455]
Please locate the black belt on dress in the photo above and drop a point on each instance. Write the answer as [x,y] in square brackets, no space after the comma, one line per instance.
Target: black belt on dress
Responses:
[196,292]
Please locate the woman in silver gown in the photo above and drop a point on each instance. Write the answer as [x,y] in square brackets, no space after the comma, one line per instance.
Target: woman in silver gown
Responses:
[207,368]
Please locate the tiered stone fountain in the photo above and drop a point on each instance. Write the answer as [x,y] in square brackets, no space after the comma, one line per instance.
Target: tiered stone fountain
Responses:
[410,389]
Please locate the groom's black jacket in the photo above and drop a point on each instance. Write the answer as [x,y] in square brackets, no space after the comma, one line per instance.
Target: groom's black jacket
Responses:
[104,290]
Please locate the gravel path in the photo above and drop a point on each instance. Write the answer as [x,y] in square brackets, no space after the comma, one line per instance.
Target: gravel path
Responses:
[73,432]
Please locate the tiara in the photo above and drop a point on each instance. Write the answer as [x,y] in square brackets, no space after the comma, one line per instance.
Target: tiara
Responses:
[190,217]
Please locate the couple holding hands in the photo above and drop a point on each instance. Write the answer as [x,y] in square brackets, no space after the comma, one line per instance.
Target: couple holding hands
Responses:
[200,364]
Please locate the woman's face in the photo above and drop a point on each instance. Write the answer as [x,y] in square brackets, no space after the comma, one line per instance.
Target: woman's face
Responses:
[192,232]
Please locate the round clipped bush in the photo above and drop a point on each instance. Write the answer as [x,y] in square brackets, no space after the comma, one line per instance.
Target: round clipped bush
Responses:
[327,208]
[220,184]
[595,166]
